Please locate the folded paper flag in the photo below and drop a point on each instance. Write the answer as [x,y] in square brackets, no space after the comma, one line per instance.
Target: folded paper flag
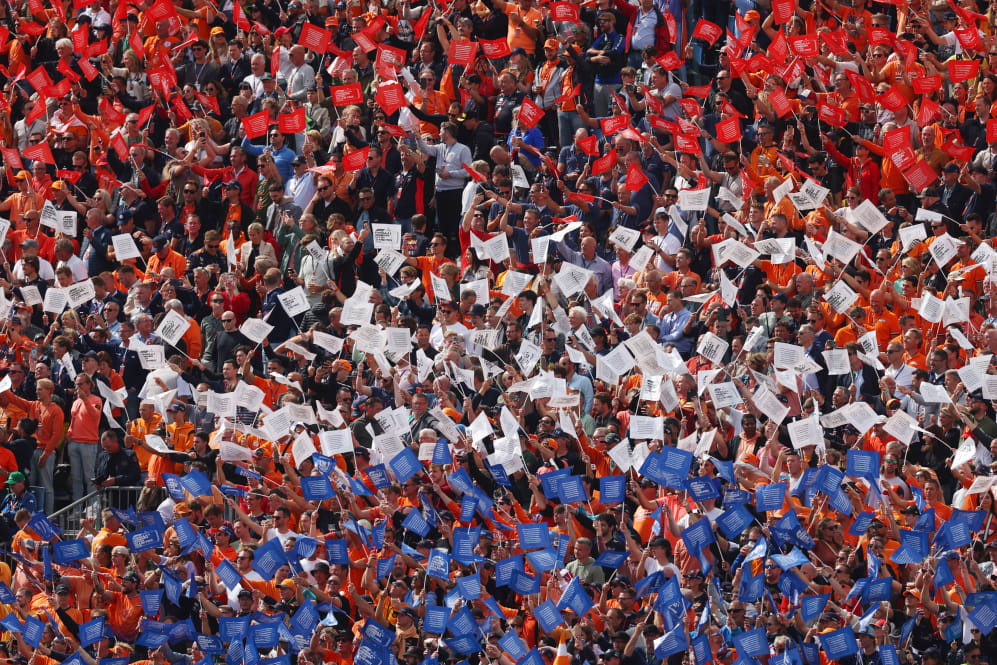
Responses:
[612,489]
[611,559]
[533,536]
[770,497]
[838,643]
[547,616]
[436,619]
[752,643]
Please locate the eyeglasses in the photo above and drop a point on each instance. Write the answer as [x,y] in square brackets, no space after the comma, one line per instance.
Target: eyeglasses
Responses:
[890,461]
[220,301]
[228,320]
[366,198]
[435,244]
[190,191]
[322,189]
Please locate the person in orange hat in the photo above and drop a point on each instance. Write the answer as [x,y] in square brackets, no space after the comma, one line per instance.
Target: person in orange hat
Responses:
[22,200]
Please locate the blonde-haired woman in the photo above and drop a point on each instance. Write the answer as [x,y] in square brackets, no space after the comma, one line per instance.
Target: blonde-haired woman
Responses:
[136,80]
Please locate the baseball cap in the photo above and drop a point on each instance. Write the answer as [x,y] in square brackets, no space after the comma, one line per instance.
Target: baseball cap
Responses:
[233,184]
[30,242]
[22,175]
[159,242]
[950,168]
[16,477]
[551,43]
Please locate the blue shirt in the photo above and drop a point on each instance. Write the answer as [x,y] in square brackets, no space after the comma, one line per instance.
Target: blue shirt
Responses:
[672,324]
[531,137]
[281,158]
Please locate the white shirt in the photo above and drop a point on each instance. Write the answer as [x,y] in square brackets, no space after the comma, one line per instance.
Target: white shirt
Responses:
[282,537]
[436,334]
[79,268]
[300,190]
[45,270]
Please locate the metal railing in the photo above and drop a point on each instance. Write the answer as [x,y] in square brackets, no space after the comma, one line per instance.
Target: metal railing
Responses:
[68,518]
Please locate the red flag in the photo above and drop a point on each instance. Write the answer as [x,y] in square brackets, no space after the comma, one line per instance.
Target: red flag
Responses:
[691,107]
[419,28]
[239,16]
[589,145]
[688,144]
[32,28]
[190,42]
[110,113]
[180,108]
[615,124]
[145,114]
[832,115]
[805,46]
[551,166]
[631,133]
[920,175]
[564,12]
[708,32]
[960,152]
[390,97]
[969,38]
[391,57]
[88,70]
[761,62]
[635,177]
[578,196]
[880,36]
[653,103]
[345,95]
[728,109]
[495,48]
[275,62]
[394,130]
[80,39]
[12,158]
[701,91]
[256,125]
[991,130]
[836,41]
[208,101]
[95,49]
[782,10]
[963,70]
[356,160]
[577,90]
[529,114]
[924,85]
[161,9]
[475,176]
[38,78]
[672,27]
[729,130]
[669,61]
[604,163]
[72,177]
[779,49]
[892,99]
[929,110]
[863,88]
[292,123]
[66,71]
[462,52]
[40,152]
[314,37]
[135,41]
[896,144]
[780,104]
